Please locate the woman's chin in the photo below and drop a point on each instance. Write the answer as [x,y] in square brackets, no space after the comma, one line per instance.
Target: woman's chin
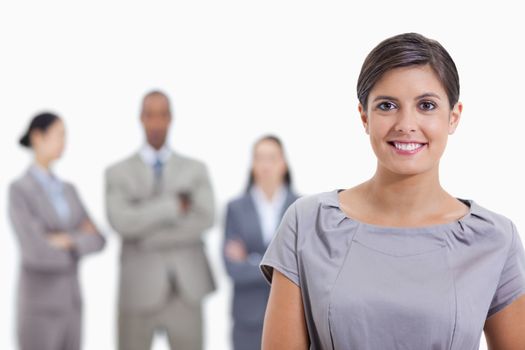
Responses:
[408,169]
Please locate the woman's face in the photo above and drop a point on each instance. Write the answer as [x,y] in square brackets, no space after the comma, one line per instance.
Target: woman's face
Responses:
[408,118]
[49,144]
[269,165]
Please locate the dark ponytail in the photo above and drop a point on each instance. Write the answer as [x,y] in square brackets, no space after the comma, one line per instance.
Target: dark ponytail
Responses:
[40,122]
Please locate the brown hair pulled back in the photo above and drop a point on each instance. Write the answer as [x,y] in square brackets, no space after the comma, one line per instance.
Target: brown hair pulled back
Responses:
[405,50]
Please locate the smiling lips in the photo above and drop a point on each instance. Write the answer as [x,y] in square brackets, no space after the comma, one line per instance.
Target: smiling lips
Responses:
[407,148]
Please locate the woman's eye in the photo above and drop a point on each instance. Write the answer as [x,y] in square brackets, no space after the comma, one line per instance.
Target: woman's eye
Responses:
[427,105]
[386,106]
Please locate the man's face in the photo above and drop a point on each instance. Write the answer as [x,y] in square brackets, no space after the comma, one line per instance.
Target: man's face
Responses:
[156,119]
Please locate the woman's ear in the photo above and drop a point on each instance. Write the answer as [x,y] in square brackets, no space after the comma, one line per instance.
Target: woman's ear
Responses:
[364,117]
[455,116]
[36,137]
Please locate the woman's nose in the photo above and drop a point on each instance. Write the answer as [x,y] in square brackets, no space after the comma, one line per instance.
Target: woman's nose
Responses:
[406,121]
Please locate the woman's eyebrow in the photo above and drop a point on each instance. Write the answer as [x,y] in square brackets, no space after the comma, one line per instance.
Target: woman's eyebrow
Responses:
[428,94]
[384,97]
[392,98]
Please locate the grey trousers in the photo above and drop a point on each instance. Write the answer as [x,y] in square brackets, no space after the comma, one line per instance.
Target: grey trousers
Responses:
[181,321]
[60,330]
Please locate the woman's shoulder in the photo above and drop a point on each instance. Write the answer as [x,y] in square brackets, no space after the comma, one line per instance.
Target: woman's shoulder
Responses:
[489,224]
[22,183]
[312,205]
[26,183]
[241,200]
[69,186]
[238,202]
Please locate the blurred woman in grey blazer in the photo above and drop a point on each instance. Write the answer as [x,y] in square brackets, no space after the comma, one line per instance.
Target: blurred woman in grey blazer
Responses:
[251,221]
[54,232]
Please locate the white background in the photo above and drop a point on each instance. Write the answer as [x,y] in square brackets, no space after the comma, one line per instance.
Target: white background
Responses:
[236,70]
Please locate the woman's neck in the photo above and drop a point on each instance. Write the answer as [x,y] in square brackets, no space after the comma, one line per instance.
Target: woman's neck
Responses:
[269,189]
[43,162]
[405,195]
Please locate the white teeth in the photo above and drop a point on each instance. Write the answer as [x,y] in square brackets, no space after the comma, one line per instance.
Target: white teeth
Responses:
[407,146]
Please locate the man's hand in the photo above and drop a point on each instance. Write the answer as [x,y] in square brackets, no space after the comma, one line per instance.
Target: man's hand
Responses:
[88,228]
[185,202]
[235,251]
[60,240]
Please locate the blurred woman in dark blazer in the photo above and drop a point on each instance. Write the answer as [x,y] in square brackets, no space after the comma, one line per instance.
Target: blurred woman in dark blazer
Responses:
[54,232]
[251,221]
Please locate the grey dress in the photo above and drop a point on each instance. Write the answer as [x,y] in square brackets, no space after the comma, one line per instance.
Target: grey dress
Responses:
[374,287]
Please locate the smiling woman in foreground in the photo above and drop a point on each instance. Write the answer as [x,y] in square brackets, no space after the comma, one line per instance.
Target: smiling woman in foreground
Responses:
[397,262]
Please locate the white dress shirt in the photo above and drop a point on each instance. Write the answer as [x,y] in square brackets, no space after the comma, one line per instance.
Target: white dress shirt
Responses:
[269,210]
[54,189]
[150,155]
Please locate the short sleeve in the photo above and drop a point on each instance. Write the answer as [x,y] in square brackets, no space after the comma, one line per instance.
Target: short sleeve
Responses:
[512,279]
[282,251]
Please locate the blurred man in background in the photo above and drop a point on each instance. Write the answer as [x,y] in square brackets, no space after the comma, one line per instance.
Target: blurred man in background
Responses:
[160,203]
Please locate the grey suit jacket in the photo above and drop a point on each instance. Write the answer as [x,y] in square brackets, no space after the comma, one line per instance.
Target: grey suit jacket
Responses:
[251,291]
[48,277]
[162,247]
